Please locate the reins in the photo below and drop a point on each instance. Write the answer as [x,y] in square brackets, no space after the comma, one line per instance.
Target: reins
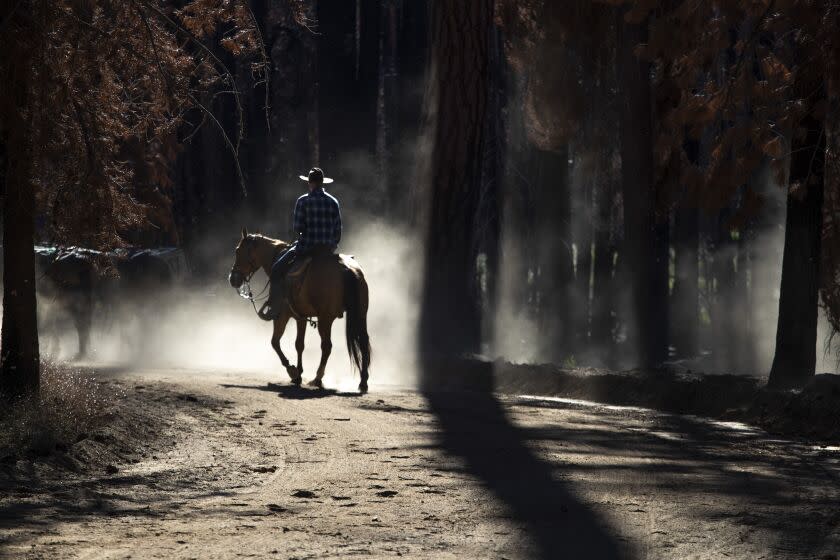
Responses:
[249,295]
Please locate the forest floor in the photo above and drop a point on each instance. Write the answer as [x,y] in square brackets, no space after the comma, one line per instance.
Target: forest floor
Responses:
[222,465]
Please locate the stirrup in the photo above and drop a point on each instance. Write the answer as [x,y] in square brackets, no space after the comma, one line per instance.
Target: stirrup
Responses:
[267,312]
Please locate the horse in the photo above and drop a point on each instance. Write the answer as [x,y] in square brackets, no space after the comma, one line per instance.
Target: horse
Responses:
[75,280]
[324,288]
[68,279]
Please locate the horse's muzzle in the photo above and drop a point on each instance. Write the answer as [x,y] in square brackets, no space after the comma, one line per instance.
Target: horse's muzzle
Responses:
[235,278]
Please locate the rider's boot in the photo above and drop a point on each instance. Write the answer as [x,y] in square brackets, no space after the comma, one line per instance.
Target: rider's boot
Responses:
[271,309]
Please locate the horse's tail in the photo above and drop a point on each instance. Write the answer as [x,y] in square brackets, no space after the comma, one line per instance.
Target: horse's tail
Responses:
[356,304]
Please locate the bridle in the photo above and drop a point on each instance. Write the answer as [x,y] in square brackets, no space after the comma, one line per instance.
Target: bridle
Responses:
[254,299]
[246,281]
[249,295]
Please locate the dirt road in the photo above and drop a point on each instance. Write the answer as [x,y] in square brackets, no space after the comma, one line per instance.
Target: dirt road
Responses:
[240,468]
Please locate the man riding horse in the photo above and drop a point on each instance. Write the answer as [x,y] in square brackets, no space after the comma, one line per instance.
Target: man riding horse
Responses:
[324,288]
[317,225]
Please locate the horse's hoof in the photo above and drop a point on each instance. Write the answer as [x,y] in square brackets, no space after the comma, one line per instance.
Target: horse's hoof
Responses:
[363,387]
[296,381]
[316,383]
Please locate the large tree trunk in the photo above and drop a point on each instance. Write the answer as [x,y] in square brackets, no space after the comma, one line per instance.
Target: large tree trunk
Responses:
[456,105]
[19,359]
[645,245]
[795,359]
[492,175]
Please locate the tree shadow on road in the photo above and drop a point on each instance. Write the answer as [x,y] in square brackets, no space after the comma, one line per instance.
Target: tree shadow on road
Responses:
[717,471]
[475,428]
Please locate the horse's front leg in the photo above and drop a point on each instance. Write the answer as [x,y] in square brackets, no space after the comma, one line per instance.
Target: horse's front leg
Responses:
[325,330]
[279,327]
[301,335]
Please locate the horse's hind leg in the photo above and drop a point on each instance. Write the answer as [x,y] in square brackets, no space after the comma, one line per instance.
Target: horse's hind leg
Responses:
[363,383]
[279,327]
[299,340]
[325,330]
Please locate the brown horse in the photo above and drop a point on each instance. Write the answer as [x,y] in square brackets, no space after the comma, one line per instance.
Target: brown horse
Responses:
[324,289]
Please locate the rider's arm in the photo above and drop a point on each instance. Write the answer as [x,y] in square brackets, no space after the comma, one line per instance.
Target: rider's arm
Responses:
[337,225]
[299,218]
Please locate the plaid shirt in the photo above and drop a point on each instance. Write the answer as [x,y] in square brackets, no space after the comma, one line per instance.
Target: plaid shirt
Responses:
[317,220]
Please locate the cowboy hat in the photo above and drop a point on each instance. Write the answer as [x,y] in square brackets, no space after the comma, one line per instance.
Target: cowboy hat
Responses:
[316,176]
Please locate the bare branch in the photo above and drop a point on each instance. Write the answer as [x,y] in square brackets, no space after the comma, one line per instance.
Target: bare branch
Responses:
[266,64]
[233,149]
[224,69]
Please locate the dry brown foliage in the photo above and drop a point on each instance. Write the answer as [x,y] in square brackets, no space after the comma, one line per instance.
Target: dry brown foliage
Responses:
[563,56]
[742,74]
[110,85]
[750,75]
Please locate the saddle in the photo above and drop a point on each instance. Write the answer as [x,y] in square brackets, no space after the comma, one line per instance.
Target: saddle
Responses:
[300,276]
[297,274]
[300,267]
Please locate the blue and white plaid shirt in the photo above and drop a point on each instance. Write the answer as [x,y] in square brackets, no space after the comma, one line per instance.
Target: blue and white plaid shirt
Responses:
[317,220]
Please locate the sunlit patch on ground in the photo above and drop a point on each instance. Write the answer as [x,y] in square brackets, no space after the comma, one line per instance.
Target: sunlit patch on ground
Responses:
[584,403]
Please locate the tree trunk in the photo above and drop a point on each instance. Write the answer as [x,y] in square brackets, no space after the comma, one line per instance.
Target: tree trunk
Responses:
[724,278]
[744,355]
[456,105]
[19,356]
[766,247]
[795,359]
[348,97]
[583,219]
[645,242]
[686,295]
[387,129]
[656,340]
[603,302]
[492,175]
[412,53]
[293,143]
[553,246]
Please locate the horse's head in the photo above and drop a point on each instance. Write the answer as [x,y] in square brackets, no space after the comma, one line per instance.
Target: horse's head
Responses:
[245,263]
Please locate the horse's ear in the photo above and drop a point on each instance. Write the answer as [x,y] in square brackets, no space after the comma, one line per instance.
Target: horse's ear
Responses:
[244,232]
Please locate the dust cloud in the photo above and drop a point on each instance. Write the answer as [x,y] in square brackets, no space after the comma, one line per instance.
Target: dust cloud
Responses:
[209,327]
[749,311]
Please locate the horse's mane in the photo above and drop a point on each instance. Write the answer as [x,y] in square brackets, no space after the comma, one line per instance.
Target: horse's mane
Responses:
[261,237]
